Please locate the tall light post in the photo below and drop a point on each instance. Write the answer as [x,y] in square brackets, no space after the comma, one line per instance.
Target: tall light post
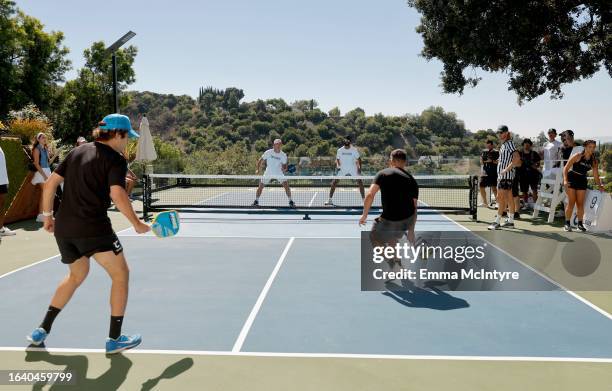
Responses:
[112,49]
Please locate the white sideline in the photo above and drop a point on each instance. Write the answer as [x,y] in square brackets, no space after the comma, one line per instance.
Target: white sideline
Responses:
[262,296]
[320,355]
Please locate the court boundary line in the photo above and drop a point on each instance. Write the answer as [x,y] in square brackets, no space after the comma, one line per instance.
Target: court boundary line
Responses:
[49,258]
[542,275]
[319,355]
[260,299]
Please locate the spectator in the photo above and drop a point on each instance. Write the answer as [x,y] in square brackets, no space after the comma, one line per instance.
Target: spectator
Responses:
[551,153]
[529,172]
[40,154]
[80,141]
[488,176]
[4,231]
[569,147]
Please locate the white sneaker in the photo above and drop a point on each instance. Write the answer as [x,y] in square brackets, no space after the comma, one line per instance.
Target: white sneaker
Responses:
[5,231]
[40,218]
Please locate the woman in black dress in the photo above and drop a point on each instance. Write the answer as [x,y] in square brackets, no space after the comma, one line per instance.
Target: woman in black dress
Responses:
[575,182]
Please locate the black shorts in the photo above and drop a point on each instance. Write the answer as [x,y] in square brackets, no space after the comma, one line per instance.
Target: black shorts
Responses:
[3,189]
[529,181]
[576,181]
[505,184]
[488,180]
[75,248]
[388,231]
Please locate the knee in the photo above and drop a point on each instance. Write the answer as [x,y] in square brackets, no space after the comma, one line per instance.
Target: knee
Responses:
[77,278]
[121,275]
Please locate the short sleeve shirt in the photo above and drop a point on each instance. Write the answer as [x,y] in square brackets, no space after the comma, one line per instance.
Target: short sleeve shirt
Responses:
[274,162]
[89,171]
[348,158]
[3,173]
[398,191]
[505,158]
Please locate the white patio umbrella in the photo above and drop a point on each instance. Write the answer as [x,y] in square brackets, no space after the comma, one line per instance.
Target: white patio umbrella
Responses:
[145,150]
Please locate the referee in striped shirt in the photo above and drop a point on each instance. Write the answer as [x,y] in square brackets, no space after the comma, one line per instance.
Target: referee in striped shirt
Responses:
[509,159]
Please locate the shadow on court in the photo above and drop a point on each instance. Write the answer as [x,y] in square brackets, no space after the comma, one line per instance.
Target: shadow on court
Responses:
[112,379]
[432,298]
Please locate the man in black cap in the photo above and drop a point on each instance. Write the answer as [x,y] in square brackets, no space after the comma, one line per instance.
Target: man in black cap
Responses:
[569,146]
[529,171]
[509,159]
[399,197]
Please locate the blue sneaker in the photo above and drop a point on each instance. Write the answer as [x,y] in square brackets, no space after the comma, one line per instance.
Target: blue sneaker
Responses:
[38,336]
[122,343]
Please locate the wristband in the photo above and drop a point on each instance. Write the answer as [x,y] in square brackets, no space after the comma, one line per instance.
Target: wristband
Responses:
[47,214]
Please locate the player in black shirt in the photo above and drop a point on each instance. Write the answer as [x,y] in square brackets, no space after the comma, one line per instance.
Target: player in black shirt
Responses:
[399,196]
[529,172]
[93,174]
[488,177]
[575,182]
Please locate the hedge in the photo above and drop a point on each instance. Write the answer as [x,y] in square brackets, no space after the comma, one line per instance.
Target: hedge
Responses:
[16,165]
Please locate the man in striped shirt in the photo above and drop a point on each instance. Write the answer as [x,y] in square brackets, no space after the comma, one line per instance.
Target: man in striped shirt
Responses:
[509,159]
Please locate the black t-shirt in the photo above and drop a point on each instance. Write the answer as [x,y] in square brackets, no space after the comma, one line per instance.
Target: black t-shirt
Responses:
[88,171]
[490,168]
[398,191]
[529,159]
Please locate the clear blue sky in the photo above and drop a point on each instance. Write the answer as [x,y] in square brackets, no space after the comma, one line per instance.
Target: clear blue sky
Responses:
[344,53]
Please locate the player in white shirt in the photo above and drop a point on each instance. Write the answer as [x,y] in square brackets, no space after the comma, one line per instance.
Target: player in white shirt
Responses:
[551,154]
[4,182]
[348,163]
[276,165]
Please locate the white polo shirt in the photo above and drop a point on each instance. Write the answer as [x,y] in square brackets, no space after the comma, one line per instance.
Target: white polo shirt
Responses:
[274,162]
[3,173]
[552,152]
[348,160]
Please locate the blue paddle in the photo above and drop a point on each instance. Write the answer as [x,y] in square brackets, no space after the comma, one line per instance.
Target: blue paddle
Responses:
[166,224]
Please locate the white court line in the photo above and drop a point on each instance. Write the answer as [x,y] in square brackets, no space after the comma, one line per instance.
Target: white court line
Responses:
[313,198]
[241,237]
[48,259]
[318,355]
[544,276]
[262,296]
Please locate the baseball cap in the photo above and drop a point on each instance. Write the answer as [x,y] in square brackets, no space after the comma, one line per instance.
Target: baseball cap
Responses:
[502,129]
[81,139]
[552,130]
[277,141]
[118,122]
[568,132]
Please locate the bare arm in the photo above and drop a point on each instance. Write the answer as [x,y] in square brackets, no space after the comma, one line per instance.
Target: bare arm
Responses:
[367,202]
[258,169]
[359,165]
[569,165]
[49,189]
[596,175]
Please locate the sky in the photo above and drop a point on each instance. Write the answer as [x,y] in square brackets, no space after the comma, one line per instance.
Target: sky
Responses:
[345,53]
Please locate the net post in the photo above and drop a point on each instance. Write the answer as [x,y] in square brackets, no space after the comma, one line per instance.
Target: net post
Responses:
[146,196]
[306,217]
[473,181]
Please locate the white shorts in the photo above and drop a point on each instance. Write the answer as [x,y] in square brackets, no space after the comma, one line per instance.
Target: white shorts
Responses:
[39,178]
[268,177]
[352,172]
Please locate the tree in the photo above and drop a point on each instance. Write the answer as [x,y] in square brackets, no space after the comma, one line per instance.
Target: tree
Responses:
[31,60]
[542,45]
[88,98]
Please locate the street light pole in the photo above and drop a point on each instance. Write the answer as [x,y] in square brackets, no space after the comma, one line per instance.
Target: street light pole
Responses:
[115,100]
[112,49]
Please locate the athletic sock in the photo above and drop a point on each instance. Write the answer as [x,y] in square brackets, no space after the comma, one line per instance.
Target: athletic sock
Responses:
[511,219]
[47,322]
[115,327]
[497,219]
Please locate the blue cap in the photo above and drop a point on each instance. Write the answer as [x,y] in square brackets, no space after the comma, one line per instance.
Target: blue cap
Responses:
[118,122]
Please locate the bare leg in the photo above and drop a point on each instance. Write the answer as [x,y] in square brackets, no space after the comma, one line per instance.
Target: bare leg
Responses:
[66,288]
[483,195]
[332,189]
[361,189]
[580,195]
[117,269]
[259,190]
[501,202]
[40,202]
[571,201]
[2,199]
[287,189]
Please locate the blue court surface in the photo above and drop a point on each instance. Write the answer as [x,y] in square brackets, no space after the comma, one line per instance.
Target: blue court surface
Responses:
[256,284]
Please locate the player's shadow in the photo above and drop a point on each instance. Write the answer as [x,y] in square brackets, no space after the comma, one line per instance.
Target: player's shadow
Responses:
[78,365]
[112,379]
[432,298]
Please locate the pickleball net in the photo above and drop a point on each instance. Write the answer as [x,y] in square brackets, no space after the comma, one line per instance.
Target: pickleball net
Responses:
[447,193]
